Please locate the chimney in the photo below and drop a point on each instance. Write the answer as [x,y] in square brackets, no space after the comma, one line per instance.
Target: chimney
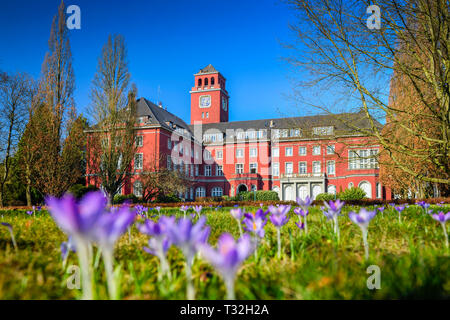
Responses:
[160,104]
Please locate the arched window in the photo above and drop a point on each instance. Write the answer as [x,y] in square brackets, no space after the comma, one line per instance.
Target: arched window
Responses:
[332,189]
[200,192]
[137,188]
[216,192]
[199,82]
[367,187]
[212,81]
[206,81]
[254,187]
[350,185]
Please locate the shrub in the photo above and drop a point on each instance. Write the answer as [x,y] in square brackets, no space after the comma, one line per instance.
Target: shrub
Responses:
[79,190]
[170,198]
[121,198]
[260,195]
[325,197]
[351,194]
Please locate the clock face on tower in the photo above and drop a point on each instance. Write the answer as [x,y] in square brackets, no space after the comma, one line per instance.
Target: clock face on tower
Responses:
[224,103]
[205,101]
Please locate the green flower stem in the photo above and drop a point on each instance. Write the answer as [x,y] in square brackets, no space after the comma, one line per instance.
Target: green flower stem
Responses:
[86,270]
[108,259]
[279,243]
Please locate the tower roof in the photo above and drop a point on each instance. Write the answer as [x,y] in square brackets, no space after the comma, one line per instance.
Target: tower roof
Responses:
[208,69]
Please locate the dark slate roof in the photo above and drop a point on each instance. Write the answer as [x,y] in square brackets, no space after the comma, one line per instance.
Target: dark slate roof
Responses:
[158,115]
[342,123]
[208,69]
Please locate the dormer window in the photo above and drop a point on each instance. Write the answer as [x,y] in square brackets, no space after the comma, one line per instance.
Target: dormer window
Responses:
[323,131]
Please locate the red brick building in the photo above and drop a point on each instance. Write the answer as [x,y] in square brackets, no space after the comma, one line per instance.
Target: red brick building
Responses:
[295,156]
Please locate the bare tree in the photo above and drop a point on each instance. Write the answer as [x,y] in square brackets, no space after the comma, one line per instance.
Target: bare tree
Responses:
[14,94]
[338,52]
[158,180]
[111,147]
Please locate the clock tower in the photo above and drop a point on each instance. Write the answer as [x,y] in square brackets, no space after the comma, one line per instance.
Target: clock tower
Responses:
[209,97]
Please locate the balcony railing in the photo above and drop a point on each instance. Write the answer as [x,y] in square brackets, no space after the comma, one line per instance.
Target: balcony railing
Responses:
[302,175]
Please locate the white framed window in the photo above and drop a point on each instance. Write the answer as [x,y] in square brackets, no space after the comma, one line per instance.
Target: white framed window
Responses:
[186,169]
[139,140]
[302,151]
[275,152]
[253,167]
[316,150]
[219,154]
[351,185]
[207,170]
[196,170]
[219,170]
[253,153]
[137,188]
[363,159]
[169,162]
[200,192]
[192,170]
[239,153]
[288,152]
[378,190]
[332,189]
[239,168]
[253,187]
[331,167]
[302,169]
[330,149]
[138,161]
[216,192]
[317,168]
[207,155]
[288,168]
[275,169]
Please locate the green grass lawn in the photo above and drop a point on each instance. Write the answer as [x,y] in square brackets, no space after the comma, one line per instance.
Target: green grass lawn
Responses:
[411,255]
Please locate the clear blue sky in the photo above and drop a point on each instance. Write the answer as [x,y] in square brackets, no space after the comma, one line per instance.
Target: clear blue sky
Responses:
[167,41]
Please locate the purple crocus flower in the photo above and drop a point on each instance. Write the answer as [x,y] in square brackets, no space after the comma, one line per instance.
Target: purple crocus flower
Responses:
[300,225]
[381,209]
[111,226]
[442,218]
[333,211]
[188,237]
[158,209]
[29,213]
[228,258]
[302,213]
[237,214]
[80,221]
[198,210]
[140,210]
[279,218]
[280,210]
[77,219]
[399,209]
[255,224]
[362,219]
[66,247]
[184,209]
[305,204]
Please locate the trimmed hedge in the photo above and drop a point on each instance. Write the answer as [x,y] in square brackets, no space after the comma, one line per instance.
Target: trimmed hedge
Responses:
[260,195]
[325,197]
[121,198]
